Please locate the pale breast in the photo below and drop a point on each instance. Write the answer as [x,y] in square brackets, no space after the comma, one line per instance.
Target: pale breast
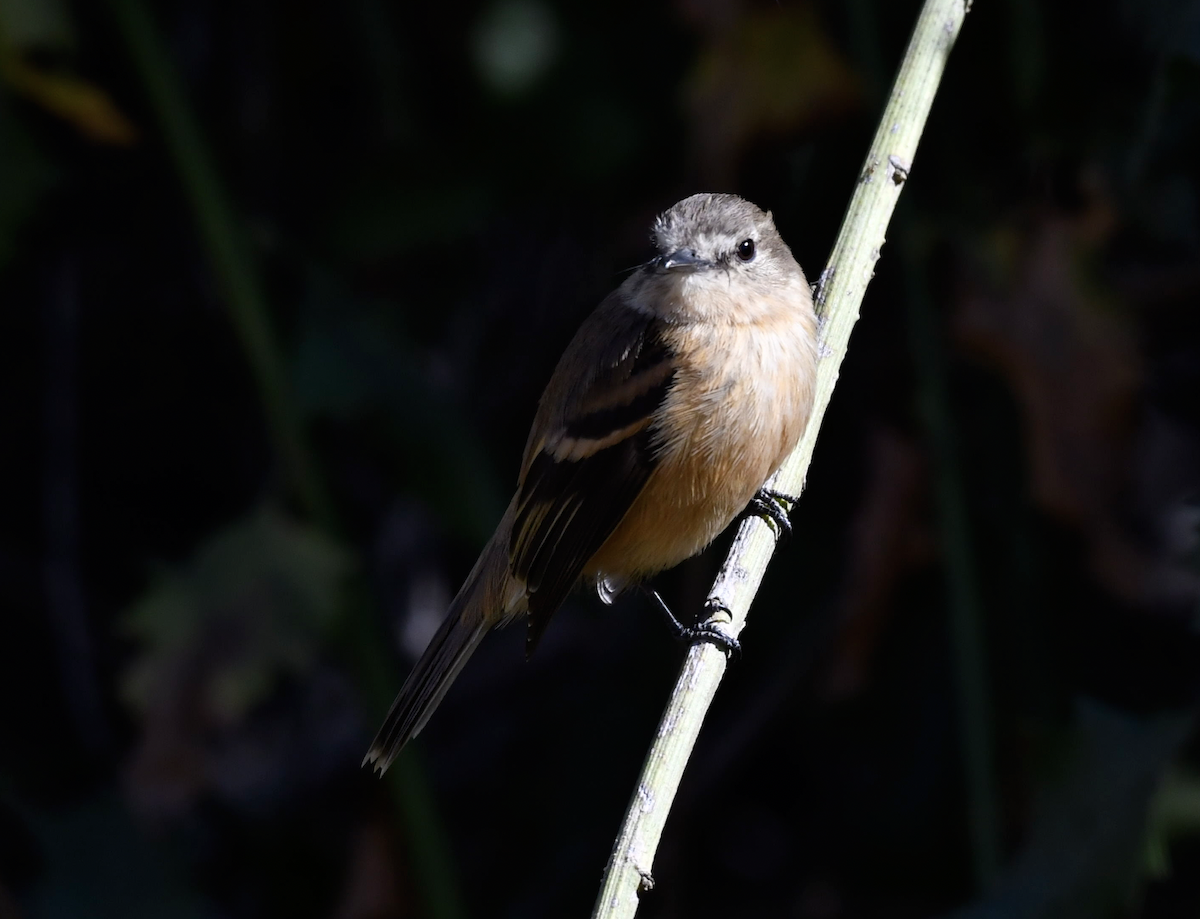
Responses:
[738,407]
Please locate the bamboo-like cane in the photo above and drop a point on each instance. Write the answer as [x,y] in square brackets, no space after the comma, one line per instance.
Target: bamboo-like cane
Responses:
[839,293]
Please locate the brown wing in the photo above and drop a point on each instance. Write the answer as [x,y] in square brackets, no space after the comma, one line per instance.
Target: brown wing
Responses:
[588,470]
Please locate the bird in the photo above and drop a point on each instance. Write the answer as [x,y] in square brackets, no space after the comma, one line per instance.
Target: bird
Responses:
[677,399]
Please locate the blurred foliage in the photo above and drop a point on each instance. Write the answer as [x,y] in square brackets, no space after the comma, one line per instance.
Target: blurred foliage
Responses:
[351,361]
[101,864]
[30,27]
[265,591]
[280,285]
[29,176]
[772,69]
[1084,850]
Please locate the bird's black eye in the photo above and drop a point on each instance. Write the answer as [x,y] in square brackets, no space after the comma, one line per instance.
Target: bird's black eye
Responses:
[745,250]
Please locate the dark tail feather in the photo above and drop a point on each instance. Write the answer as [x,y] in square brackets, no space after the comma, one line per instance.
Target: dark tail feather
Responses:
[425,686]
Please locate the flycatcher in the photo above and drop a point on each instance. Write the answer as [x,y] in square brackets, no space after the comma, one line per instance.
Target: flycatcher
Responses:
[676,400]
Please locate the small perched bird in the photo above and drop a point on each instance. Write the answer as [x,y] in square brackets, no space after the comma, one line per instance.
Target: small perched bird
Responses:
[676,400]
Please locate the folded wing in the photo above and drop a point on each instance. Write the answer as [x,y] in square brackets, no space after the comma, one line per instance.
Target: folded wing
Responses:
[588,467]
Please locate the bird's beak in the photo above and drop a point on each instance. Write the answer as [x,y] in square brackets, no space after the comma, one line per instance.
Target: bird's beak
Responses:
[681,260]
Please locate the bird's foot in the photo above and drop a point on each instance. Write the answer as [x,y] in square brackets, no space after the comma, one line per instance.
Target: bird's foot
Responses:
[769,505]
[705,631]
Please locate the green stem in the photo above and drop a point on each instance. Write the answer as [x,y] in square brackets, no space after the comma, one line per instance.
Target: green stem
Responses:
[230,258]
[962,591]
[233,266]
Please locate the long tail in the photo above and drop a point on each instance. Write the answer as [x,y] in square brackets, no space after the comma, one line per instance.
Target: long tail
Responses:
[473,612]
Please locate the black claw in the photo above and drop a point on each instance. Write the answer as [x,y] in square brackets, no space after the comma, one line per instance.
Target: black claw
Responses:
[714,635]
[727,643]
[769,505]
[705,631]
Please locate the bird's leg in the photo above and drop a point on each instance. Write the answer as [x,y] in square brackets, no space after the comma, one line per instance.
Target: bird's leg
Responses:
[768,504]
[692,633]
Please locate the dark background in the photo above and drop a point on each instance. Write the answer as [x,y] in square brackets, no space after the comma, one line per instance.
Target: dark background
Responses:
[280,283]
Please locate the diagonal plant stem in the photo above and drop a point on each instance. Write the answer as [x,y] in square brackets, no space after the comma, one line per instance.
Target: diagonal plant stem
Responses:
[233,265]
[839,294]
[962,588]
[221,235]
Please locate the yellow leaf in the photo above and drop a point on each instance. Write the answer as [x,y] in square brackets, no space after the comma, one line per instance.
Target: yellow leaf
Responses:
[76,101]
